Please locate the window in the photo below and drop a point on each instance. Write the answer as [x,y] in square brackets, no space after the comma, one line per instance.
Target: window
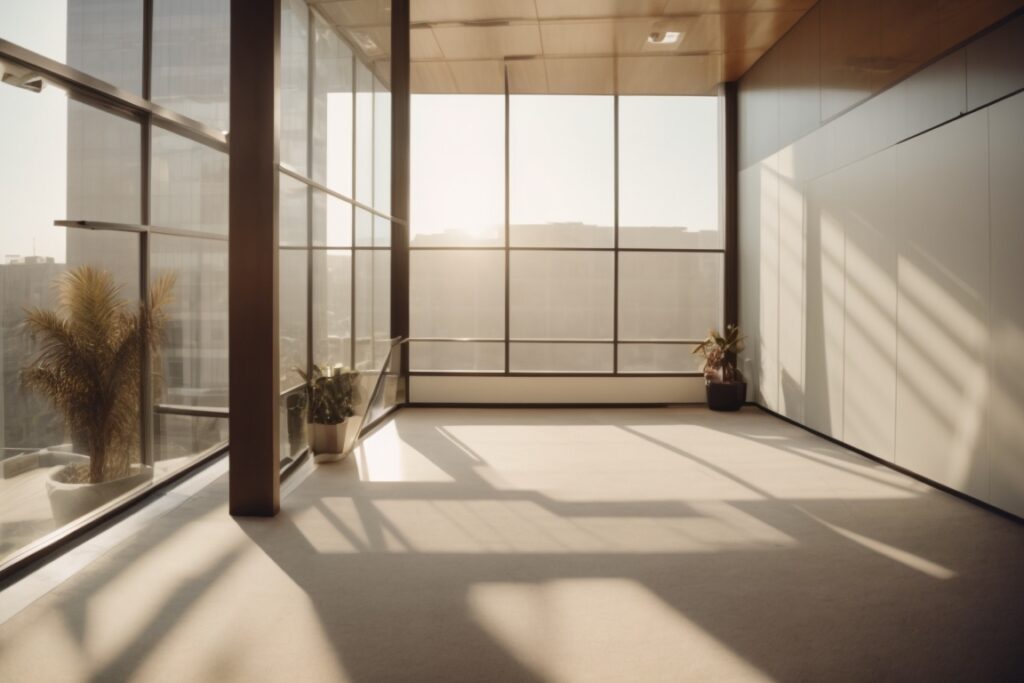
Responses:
[191,56]
[457,194]
[668,173]
[294,84]
[332,109]
[561,295]
[457,294]
[562,171]
[669,295]
[189,184]
[596,282]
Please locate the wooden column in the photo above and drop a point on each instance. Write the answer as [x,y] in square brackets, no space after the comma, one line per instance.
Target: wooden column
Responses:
[253,253]
[728,123]
[400,106]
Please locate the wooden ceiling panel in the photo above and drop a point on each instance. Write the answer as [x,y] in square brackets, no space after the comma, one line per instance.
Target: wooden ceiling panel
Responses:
[708,6]
[587,9]
[676,75]
[755,30]
[592,76]
[488,42]
[479,76]
[578,37]
[349,13]
[431,77]
[423,46]
[440,11]
[586,46]
[527,76]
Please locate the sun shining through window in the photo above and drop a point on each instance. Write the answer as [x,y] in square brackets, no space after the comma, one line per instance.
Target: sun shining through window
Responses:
[536,226]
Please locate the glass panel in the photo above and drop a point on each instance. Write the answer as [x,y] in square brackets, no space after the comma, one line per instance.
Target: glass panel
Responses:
[294,84]
[178,439]
[103,39]
[561,295]
[114,252]
[364,135]
[381,148]
[458,170]
[193,365]
[332,110]
[37,439]
[457,356]
[457,294]
[669,295]
[292,315]
[668,172]
[291,425]
[191,55]
[381,232]
[332,307]
[292,203]
[658,358]
[332,221]
[567,358]
[34,173]
[562,171]
[381,306]
[390,392]
[364,310]
[103,165]
[189,184]
[364,228]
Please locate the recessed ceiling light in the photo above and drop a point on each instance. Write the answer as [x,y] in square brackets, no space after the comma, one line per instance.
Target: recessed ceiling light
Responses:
[664,38]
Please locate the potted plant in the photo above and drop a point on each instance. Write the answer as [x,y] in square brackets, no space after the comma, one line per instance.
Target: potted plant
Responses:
[89,365]
[331,394]
[726,388]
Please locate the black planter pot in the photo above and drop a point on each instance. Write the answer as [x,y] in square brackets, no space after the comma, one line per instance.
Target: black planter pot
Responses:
[726,395]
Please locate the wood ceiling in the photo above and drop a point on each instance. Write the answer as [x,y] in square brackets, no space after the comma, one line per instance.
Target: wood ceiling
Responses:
[582,47]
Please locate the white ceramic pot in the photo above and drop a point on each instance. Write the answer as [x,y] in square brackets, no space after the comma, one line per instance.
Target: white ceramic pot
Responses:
[68,502]
[328,441]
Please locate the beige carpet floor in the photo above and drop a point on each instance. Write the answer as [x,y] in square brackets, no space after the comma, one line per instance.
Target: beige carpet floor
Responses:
[553,545]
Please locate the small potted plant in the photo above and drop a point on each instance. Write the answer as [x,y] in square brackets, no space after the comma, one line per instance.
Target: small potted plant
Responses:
[331,395]
[726,388]
[89,366]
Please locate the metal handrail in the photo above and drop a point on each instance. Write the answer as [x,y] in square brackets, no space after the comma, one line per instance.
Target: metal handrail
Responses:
[396,342]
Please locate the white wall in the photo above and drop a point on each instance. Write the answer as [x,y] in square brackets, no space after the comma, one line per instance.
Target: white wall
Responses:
[882,280]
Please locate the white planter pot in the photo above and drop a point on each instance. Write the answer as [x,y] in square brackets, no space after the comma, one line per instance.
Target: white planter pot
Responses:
[328,441]
[68,502]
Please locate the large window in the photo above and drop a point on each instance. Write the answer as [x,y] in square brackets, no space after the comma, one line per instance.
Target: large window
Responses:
[144,202]
[334,205]
[562,171]
[533,251]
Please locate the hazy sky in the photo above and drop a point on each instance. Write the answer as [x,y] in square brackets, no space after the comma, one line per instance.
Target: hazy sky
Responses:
[33,161]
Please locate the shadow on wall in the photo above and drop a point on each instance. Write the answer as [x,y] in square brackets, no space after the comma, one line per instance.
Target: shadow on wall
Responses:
[866,254]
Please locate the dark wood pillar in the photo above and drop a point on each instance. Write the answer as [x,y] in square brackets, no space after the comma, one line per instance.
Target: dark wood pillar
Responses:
[253,263]
[400,106]
[728,113]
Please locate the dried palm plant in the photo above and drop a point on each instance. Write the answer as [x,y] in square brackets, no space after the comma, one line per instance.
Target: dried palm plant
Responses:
[89,362]
[720,355]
